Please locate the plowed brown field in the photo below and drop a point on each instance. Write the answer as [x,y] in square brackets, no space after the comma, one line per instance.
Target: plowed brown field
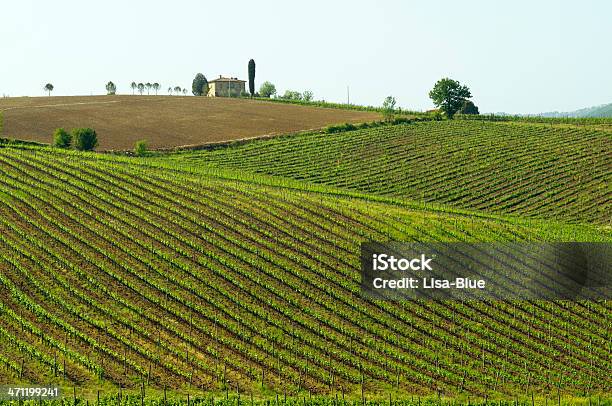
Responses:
[164,121]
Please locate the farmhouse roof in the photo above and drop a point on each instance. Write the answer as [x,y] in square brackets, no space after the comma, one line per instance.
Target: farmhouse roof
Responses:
[226,79]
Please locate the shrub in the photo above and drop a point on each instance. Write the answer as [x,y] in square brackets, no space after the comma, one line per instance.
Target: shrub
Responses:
[372,124]
[141,148]
[340,128]
[307,96]
[292,95]
[436,115]
[85,139]
[401,120]
[468,107]
[267,89]
[61,138]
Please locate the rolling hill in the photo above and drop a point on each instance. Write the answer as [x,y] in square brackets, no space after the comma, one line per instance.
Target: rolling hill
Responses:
[545,171]
[164,121]
[136,272]
[237,268]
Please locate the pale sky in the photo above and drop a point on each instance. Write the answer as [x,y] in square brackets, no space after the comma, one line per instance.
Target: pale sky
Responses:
[516,56]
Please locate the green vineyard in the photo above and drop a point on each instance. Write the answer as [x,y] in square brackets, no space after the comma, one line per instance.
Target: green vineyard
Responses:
[111,272]
[201,270]
[511,168]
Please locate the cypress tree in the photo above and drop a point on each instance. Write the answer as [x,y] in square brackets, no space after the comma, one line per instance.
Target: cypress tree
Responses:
[252,77]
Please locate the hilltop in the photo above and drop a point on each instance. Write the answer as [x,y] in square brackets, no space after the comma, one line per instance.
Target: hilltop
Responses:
[164,121]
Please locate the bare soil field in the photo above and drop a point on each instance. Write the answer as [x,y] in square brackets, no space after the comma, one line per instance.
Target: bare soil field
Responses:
[164,121]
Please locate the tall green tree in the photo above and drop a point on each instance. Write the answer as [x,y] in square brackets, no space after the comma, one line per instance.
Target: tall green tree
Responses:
[148,85]
[252,77]
[199,86]
[49,88]
[449,95]
[156,87]
[134,86]
[141,88]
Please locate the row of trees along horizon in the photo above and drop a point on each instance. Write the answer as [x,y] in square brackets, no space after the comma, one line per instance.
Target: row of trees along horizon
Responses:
[448,95]
[199,87]
[111,88]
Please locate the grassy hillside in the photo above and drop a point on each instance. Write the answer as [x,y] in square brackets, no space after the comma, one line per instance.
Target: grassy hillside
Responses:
[556,172]
[119,272]
[164,121]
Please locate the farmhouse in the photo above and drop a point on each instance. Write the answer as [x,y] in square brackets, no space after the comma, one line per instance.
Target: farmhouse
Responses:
[225,87]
